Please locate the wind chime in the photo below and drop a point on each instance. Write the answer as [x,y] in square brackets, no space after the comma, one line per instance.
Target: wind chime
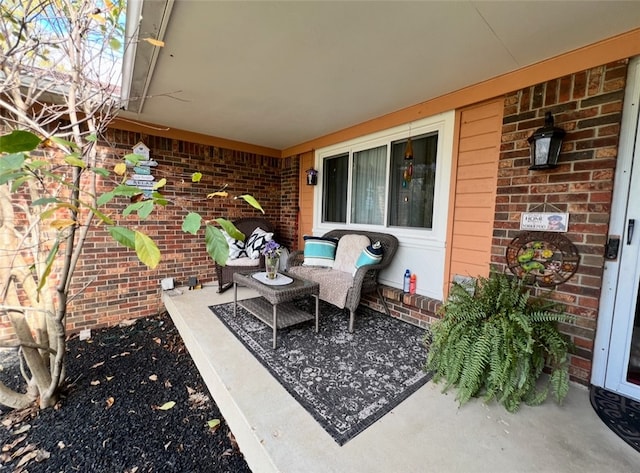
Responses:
[407,175]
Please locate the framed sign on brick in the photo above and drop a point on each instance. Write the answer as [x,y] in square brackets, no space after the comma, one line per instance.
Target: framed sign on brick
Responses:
[544,221]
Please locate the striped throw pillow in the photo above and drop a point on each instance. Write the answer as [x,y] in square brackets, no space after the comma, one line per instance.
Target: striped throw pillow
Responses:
[319,251]
[372,254]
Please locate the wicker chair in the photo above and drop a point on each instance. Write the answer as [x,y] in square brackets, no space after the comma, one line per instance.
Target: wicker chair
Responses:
[246,225]
[365,279]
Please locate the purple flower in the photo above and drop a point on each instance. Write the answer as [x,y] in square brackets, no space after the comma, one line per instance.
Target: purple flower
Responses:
[271,249]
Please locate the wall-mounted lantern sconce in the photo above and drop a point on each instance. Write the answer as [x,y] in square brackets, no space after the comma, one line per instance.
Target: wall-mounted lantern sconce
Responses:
[546,143]
[312,177]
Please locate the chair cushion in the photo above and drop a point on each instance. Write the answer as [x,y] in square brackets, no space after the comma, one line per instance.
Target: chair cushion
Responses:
[334,285]
[256,242]
[319,251]
[236,247]
[372,254]
[348,251]
[243,261]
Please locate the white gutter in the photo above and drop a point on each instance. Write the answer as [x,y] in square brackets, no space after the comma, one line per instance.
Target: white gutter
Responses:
[132,26]
[142,21]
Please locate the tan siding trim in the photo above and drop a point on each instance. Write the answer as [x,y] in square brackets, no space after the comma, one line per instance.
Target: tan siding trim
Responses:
[474,200]
[466,267]
[474,181]
[470,228]
[480,171]
[477,156]
[305,204]
[472,186]
[453,195]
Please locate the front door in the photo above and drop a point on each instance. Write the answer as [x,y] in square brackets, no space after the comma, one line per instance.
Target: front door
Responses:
[623,363]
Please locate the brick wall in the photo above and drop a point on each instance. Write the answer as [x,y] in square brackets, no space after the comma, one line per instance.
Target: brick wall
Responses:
[289,210]
[588,106]
[112,285]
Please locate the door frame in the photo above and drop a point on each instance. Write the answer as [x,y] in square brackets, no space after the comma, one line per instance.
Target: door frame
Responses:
[618,222]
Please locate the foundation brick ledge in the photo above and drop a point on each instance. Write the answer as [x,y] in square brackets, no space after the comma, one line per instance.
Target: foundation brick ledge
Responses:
[412,308]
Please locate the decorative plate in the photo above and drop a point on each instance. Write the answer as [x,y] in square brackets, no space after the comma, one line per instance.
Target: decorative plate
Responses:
[543,258]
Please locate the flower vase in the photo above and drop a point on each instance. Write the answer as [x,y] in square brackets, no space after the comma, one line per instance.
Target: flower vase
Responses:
[272,263]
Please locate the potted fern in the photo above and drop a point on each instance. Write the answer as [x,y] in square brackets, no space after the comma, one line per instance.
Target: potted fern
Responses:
[495,341]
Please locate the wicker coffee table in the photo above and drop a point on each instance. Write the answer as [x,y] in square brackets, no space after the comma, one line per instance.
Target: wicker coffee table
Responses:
[275,307]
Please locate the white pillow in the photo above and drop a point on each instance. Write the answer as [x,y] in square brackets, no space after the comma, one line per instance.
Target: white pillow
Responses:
[236,247]
[256,241]
[243,262]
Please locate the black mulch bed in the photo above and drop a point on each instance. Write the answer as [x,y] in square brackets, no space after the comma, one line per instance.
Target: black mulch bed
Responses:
[109,418]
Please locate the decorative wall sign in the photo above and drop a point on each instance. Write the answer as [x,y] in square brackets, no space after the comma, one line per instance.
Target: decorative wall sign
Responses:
[544,221]
[544,258]
[142,176]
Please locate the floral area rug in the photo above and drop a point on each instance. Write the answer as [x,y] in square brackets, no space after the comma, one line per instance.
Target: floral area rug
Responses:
[619,413]
[346,381]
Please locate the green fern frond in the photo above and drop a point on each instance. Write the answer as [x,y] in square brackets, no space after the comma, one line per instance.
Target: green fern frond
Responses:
[496,342]
[536,398]
[559,383]
[471,378]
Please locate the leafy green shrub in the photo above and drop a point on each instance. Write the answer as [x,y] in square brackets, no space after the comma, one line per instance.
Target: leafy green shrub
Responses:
[495,343]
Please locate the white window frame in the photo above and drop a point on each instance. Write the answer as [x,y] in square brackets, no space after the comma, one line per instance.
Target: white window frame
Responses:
[421,250]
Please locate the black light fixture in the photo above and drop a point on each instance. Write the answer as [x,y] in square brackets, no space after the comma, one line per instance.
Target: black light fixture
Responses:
[546,143]
[312,177]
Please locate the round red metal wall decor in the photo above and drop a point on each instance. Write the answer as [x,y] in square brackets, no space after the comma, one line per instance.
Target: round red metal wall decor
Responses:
[542,258]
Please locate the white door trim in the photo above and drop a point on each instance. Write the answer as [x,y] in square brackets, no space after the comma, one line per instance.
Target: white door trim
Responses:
[617,223]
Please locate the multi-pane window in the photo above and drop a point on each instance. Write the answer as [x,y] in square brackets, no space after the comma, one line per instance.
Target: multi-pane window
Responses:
[335,181]
[381,185]
[412,182]
[368,186]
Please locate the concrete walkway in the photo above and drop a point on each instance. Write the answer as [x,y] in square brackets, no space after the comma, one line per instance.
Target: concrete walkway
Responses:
[428,432]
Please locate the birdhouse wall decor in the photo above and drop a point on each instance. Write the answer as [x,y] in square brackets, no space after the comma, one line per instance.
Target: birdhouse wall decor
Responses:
[141,149]
[142,170]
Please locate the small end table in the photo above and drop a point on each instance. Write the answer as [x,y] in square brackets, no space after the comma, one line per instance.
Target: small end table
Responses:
[275,307]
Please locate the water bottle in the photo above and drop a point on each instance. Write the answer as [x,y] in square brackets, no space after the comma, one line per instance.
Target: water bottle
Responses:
[412,284]
[407,279]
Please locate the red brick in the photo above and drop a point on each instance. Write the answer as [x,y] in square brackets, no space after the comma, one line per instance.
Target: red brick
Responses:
[579,85]
[580,185]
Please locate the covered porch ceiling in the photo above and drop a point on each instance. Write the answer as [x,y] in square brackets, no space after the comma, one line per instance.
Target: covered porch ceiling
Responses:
[276,74]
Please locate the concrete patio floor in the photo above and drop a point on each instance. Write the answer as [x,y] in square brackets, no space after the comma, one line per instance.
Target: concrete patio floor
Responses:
[428,432]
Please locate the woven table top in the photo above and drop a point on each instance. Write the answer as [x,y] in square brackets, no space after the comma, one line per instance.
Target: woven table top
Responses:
[277,294]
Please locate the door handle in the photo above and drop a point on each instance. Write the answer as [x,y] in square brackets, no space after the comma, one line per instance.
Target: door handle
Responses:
[630,225]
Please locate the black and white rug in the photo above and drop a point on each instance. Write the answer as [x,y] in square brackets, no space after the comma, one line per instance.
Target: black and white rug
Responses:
[619,413]
[346,381]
